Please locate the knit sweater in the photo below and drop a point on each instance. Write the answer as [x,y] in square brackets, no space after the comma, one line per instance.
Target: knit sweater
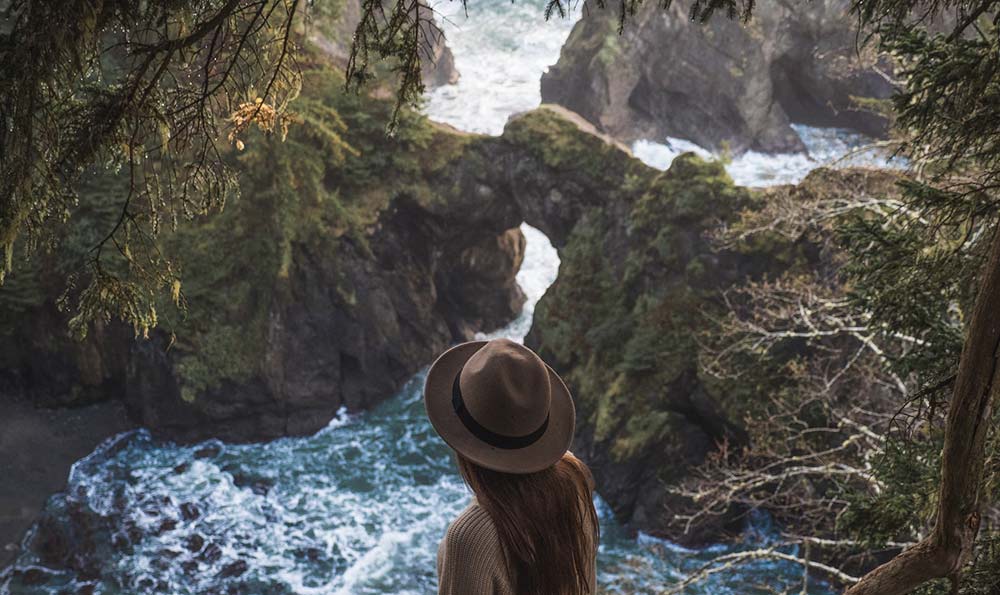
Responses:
[470,558]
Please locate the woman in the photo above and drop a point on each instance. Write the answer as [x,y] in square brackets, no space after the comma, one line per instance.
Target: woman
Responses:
[531,528]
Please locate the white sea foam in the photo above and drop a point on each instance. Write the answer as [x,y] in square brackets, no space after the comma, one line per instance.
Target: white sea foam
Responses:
[501,50]
[538,271]
[832,147]
[360,506]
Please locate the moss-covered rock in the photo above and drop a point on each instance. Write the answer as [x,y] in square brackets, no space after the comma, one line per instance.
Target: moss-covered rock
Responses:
[353,258]
[625,325]
[325,284]
[621,324]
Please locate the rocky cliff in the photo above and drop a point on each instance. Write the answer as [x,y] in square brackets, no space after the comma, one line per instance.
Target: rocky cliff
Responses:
[723,84]
[327,284]
[626,322]
[329,288]
[297,304]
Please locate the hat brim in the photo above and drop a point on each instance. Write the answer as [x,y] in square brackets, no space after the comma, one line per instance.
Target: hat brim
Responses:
[541,454]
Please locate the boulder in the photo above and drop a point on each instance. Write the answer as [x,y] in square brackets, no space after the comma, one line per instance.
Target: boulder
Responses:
[724,84]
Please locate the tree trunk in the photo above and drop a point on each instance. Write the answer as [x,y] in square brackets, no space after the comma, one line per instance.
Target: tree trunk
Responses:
[948,547]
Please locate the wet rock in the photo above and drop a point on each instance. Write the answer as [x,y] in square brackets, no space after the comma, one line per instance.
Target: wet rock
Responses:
[39,445]
[211,554]
[258,485]
[134,533]
[166,525]
[161,564]
[52,541]
[88,572]
[208,452]
[721,84]
[182,468]
[233,569]
[30,576]
[190,511]
[69,535]
[194,542]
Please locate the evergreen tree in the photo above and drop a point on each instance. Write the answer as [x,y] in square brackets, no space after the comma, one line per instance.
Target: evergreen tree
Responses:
[163,92]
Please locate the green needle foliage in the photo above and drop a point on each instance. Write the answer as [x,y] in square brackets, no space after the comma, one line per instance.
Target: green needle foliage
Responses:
[157,99]
[155,90]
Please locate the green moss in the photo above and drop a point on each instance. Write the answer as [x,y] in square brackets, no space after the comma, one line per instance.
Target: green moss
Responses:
[692,190]
[611,48]
[639,433]
[625,316]
[329,180]
[560,144]
[607,418]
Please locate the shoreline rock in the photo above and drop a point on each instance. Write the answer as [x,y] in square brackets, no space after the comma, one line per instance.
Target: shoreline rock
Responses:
[64,435]
[724,85]
[353,319]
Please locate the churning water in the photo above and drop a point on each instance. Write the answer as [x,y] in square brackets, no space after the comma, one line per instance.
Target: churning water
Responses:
[502,48]
[359,507]
[831,147]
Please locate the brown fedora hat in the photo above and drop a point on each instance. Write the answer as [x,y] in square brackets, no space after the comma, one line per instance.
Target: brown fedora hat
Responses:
[499,405]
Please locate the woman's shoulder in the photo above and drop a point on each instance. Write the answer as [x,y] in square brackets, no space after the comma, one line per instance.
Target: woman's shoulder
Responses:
[473,529]
[470,557]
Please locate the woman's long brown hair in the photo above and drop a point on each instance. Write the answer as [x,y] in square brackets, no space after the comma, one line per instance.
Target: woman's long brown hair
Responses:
[546,523]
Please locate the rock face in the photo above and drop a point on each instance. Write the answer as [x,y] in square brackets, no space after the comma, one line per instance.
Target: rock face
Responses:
[336,308]
[39,446]
[344,331]
[346,328]
[624,324]
[342,318]
[723,85]
[337,30]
